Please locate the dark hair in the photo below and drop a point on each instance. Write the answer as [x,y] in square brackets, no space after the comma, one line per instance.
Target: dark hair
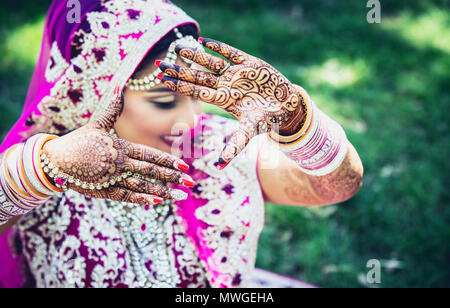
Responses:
[164,44]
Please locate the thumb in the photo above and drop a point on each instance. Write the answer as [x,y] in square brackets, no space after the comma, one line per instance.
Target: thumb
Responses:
[237,143]
[109,117]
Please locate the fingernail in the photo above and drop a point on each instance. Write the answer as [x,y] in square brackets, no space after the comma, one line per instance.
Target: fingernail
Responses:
[158,63]
[222,166]
[160,76]
[188,182]
[201,39]
[181,165]
[178,194]
[157,200]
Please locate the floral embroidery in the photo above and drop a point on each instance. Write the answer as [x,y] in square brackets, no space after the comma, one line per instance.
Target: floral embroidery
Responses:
[234,216]
[57,64]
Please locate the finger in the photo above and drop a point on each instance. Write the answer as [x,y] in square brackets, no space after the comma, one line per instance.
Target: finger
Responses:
[151,155]
[212,63]
[235,55]
[147,187]
[237,143]
[156,172]
[106,121]
[202,93]
[126,195]
[197,77]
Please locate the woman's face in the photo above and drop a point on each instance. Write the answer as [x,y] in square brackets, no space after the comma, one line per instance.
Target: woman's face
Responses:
[157,116]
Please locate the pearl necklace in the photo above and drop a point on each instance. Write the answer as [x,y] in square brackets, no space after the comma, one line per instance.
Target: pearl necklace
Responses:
[144,233]
[151,80]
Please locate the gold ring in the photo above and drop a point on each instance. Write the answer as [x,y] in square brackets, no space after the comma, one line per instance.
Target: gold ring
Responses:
[225,68]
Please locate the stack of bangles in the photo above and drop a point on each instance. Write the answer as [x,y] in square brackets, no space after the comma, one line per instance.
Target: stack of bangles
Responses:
[320,147]
[23,183]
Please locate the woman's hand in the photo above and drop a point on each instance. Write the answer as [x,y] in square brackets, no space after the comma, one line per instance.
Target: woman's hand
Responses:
[255,93]
[91,154]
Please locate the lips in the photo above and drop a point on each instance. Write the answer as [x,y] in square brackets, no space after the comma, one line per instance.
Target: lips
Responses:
[170,139]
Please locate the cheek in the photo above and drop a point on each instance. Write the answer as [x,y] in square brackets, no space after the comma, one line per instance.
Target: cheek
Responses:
[149,119]
[142,123]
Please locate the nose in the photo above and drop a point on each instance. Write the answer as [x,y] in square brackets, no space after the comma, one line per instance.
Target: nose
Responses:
[187,116]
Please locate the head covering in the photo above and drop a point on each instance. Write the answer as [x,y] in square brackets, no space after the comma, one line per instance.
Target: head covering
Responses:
[81,63]
[79,67]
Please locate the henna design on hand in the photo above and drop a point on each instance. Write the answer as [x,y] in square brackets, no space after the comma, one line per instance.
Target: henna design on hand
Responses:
[91,154]
[254,92]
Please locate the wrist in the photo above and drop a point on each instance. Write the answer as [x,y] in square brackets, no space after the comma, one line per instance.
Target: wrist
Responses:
[296,127]
[320,148]
[299,119]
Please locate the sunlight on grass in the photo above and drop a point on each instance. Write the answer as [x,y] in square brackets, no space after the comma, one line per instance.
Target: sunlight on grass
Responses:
[431,29]
[341,111]
[335,73]
[23,44]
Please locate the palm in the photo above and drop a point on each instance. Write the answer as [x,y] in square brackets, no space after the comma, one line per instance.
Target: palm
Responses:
[255,93]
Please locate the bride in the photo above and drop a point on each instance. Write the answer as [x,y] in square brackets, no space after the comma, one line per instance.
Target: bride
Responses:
[113,176]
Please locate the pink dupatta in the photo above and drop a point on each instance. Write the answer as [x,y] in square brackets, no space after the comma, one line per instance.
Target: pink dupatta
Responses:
[79,66]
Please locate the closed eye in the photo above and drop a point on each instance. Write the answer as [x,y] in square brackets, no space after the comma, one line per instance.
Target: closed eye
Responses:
[165,105]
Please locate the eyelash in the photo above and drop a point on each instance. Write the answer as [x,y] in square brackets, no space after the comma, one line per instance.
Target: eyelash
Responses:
[168,105]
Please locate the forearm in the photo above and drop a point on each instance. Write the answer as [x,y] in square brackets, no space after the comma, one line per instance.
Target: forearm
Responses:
[341,184]
[284,183]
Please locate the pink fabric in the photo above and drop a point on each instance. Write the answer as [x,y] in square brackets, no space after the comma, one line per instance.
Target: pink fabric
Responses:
[56,28]
[10,276]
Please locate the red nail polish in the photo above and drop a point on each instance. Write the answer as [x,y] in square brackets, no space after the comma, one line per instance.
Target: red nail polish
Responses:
[201,39]
[158,63]
[157,200]
[160,76]
[188,183]
[221,167]
[181,165]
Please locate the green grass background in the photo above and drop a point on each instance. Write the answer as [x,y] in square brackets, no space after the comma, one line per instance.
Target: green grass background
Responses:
[388,84]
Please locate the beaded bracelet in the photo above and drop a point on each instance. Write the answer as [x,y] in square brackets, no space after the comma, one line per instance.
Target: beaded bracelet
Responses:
[63,179]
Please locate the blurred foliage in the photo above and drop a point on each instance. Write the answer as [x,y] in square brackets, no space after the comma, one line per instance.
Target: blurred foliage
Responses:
[388,84]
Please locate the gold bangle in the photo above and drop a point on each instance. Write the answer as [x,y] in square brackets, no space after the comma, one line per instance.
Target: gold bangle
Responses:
[285,145]
[8,177]
[24,177]
[309,110]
